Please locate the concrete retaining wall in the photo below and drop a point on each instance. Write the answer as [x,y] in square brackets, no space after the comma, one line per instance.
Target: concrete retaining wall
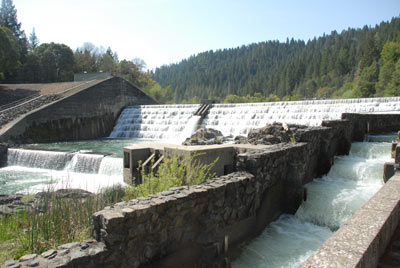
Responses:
[372,123]
[87,114]
[3,154]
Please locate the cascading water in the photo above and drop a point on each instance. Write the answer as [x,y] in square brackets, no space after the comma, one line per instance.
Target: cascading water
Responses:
[38,159]
[331,200]
[31,171]
[161,122]
[85,163]
[238,119]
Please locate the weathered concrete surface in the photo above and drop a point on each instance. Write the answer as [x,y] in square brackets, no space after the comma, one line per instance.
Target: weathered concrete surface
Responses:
[3,154]
[364,237]
[87,114]
[372,123]
[205,154]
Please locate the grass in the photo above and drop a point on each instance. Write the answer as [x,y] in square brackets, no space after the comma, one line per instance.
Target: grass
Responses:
[57,221]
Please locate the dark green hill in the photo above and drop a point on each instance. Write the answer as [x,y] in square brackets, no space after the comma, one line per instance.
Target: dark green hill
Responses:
[349,64]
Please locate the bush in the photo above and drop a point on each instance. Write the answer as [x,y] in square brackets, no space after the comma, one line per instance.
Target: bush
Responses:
[172,172]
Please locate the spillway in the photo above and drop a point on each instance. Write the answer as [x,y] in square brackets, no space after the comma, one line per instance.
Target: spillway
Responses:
[160,122]
[331,200]
[238,119]
[31,171]
[174,123]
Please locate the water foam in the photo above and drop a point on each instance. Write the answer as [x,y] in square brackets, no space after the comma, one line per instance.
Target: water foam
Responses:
[331,200]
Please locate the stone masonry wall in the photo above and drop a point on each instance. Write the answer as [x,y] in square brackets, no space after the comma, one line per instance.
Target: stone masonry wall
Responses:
[87,114]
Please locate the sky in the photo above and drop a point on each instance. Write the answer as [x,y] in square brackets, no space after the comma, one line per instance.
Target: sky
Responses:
[166,31]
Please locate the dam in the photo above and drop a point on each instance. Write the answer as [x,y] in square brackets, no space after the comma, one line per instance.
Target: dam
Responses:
[165,229]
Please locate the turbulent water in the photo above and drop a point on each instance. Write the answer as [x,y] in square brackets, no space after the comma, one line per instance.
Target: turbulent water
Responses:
[160,122]
[238,119]
[331,200]
[174,123]
[31,171]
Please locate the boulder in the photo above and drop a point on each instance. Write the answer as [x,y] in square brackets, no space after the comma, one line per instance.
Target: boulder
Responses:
[205,136]
[240,140]
[43,198]
[12,203]
[275,133]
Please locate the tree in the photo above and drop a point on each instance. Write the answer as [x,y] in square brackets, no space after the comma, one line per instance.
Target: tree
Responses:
[129,71]
[33,41]
[9,53]
[368,79]
[56,62]
[8,18]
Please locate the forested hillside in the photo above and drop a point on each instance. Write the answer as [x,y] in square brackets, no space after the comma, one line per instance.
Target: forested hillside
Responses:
[355,63]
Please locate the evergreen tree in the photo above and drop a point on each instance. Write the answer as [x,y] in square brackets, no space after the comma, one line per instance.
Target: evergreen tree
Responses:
[8,18]
[33,41]
[9,53]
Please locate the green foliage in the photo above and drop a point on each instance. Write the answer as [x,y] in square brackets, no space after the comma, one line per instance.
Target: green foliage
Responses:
[174,171]
[56,62]
[390,52]
[161,95]
[368,79]
[33,41]
[317,68]
[8,18]
[9,54]
[257,97]
[56,221]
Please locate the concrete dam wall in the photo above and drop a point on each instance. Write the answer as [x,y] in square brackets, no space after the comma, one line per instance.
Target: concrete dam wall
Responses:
[194,226]
[87,114]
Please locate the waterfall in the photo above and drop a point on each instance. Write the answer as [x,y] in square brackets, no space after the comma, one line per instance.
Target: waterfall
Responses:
[111,166]
[167,122]
[238,119]
[161,122]
[331,200]
[31,171]
[85,163]
[38,158]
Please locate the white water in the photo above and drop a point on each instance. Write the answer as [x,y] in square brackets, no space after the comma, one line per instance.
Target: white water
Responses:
[31,171]
[160,122]
[38,159]
[238,119]
[175,123]
[331,200]
[85,163]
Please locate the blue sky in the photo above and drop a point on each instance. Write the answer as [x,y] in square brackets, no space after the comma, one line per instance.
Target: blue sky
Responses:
[166,31]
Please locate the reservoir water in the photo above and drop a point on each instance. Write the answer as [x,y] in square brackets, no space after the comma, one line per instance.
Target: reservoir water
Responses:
[331,200]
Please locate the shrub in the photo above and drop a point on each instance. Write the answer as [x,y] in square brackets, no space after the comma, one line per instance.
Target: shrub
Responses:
[174,171]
